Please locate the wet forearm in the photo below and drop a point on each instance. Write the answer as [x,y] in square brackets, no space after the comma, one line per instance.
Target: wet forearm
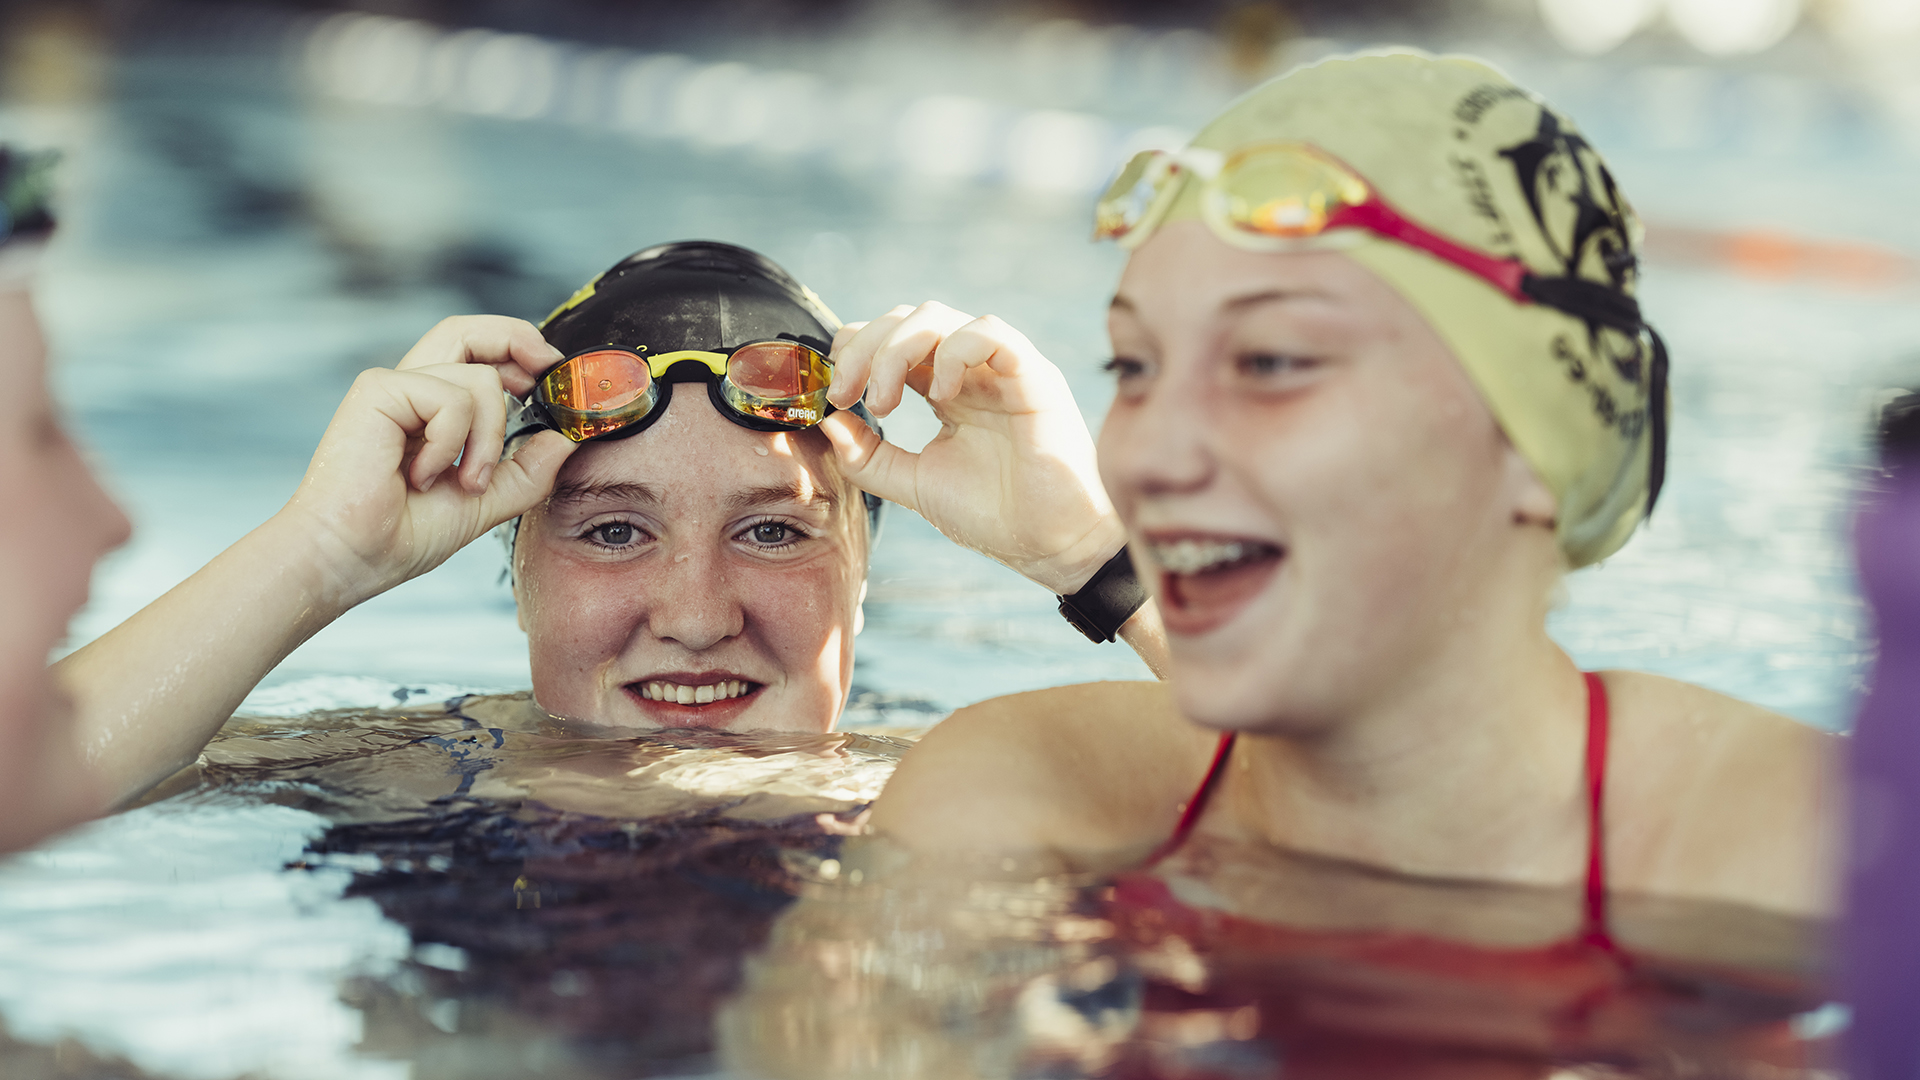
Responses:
[151,692]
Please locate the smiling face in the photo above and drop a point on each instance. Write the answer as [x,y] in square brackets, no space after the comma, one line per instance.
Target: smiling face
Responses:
[698,574]
[1319,493]
[57,523]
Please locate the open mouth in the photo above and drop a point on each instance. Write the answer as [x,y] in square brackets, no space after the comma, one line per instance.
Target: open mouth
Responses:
[702,694]
[1206,580]
[711,700]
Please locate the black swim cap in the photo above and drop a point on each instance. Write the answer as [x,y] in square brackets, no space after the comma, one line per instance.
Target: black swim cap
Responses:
[702,295]
[693,294]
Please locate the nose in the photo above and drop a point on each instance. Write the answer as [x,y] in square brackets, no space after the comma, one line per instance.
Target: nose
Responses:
[1163,442]
[692,601]
[101,521]
[111,524]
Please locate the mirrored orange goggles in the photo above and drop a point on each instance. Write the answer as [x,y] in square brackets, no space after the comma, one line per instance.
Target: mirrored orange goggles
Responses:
[613,391]
[1274,197]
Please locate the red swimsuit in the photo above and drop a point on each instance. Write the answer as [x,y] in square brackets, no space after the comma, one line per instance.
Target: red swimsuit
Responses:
[1383,1002]
[1594,928]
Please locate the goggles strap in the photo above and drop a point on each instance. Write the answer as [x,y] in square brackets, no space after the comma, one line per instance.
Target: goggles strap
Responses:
[1585,299]
[1656,420]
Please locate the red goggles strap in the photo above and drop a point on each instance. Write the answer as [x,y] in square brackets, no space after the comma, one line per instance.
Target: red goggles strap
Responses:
[1376,216]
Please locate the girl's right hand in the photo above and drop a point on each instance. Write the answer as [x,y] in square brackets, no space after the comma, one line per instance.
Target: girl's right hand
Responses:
[409,470]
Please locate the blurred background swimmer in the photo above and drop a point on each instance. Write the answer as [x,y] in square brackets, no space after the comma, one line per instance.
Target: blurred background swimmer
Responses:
[1881,955]
[57,524]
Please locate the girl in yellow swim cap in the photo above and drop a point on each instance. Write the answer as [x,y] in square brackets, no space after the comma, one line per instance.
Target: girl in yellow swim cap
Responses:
[1382,380]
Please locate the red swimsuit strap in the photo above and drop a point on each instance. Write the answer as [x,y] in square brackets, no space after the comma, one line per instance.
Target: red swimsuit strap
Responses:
[1190,813]
[1594,925]
[1594,930]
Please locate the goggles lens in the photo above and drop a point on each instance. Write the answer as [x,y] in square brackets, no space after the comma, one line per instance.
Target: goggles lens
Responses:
[1285,191]
[598,392]
[1131,199]
[781,381]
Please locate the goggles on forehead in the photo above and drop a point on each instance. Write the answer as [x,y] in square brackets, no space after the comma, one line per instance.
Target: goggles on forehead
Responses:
[1277,197]
[1285,196]
[612,391]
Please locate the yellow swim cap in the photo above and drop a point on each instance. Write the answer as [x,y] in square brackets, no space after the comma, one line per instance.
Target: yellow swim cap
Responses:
[1462,152]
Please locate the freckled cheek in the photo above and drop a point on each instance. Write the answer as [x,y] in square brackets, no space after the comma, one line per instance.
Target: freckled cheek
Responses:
[803,614]
[579,618]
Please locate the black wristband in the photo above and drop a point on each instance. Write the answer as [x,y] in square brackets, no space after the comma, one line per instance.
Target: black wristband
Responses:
[1105,603]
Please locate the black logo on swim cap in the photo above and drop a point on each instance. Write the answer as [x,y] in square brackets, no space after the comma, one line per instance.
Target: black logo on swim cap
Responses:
[1584,221]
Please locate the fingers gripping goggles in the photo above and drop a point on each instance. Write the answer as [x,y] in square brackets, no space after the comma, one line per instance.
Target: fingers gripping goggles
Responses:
[612,391]
[1280,196]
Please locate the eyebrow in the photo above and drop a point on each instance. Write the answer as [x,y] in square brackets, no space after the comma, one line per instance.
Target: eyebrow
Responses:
[770,494]
[1234,306]
[574,491]
[1265,296]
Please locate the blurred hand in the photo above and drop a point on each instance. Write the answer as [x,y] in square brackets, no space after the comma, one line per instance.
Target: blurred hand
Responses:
[1012,473]
[409,470]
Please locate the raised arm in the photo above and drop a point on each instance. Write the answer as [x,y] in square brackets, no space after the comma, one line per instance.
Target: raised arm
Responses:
[1012,473]
[408,472]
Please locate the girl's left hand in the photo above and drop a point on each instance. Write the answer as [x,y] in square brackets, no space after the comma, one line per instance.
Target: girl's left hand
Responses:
[1012,473]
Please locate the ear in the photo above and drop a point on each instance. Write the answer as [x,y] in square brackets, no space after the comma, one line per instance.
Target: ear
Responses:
[1532,501]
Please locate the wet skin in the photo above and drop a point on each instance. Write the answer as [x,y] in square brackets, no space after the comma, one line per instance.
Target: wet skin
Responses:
[57,524]
[696,554]
[1298,407]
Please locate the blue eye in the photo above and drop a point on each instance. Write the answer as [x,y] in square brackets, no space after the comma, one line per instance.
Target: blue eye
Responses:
[773,534]
[613,534]
[1124,367]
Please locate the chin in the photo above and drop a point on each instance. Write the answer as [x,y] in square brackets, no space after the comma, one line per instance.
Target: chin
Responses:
[1201,702]
[1245,693]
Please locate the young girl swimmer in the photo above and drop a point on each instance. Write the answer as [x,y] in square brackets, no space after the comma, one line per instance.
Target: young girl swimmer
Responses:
[697,568]
[1382,381]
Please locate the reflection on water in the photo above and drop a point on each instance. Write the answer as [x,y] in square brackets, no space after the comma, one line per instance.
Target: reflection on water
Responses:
[470,891]
[1260,964]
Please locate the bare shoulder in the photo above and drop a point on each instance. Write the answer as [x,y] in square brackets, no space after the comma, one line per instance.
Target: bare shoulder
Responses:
[1719,797]
[1084,770]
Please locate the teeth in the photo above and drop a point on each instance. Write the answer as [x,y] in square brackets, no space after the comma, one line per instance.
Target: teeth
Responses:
[694,695]
[1196,556]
